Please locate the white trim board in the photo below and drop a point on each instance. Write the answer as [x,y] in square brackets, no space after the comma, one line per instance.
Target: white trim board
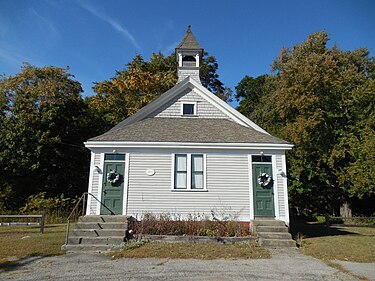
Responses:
[111,144]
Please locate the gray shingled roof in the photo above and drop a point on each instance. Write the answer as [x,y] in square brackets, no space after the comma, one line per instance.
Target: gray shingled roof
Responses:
[190,129]
[189,42]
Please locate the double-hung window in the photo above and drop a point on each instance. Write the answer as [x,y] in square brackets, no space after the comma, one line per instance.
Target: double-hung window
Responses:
[189,171]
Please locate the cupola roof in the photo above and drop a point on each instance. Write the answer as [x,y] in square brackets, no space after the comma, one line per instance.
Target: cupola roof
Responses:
[189,42]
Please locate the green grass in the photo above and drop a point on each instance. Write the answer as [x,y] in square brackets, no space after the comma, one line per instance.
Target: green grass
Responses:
[184,250]
[25,241]
[356,244]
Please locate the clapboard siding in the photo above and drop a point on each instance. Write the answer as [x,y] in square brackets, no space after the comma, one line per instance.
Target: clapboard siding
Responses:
[204,108]
[95,185]
[280,187]
[227,187]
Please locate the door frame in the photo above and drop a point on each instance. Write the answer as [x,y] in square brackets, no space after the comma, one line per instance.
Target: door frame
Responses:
[251,188]
[126,182]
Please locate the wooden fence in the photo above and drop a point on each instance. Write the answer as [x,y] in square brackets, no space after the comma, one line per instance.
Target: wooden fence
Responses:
[41,217]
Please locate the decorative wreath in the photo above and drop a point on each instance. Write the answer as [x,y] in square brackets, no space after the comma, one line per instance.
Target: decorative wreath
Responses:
[264,179]
[113,177]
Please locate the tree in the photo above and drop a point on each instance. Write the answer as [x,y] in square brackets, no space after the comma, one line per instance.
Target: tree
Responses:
[322,100]
[141,82]
[249,91]
[44,122]
[132,88]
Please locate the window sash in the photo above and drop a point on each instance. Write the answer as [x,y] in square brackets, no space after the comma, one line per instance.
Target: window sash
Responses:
[187,109]
[181,170]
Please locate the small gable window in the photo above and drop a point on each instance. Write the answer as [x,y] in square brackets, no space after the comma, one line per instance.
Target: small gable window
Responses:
[189,109]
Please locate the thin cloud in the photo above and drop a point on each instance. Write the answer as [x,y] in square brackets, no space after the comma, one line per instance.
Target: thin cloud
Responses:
[169,49]
[115,25]
[10,58]
[14,57]
[45,22]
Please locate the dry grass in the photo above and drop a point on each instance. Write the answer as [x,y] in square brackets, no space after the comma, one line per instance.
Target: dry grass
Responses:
[356,244]
[25,241]
[182,250]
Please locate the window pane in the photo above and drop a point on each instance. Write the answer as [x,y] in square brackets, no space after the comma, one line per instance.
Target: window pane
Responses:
[261,158]
[181,162]
[197,181]
[188,109]
[118,157]
[197,163]
[180,180]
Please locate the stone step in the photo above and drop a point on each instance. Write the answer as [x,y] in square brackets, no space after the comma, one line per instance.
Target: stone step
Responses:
[277,243]
[275,235]
[111,240]
[101,225]
[269,223]
[269,228]
[98,232]
[104,218]
[90,248]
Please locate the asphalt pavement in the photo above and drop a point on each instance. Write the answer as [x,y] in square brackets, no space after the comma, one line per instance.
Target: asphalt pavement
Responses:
[285,264]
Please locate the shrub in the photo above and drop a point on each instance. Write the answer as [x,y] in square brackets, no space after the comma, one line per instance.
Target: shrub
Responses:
[57,208]
[193,225]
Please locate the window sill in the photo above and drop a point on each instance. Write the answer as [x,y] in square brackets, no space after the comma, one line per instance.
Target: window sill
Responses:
[189,190]
[189,115]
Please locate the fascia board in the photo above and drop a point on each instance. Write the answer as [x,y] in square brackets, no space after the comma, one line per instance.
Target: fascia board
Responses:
[269,146]
[226,108]
[151,107]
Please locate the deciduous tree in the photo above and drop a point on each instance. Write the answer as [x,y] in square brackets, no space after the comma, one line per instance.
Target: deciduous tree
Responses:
[321,100]
[43,125]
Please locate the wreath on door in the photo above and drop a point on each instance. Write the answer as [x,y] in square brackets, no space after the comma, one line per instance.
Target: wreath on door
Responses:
[264,179]
[113,176]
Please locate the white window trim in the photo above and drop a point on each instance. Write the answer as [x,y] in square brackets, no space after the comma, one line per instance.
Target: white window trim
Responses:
[189,102]
[188,176]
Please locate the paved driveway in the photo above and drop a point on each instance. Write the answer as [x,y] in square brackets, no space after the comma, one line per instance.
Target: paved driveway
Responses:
[286,264]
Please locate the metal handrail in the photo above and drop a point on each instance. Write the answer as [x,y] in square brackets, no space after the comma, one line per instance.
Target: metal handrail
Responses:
[83,197]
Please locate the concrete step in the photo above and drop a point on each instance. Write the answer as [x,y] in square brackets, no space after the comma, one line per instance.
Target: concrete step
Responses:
[99,232]
[101,225]
[269,228]
[112,240]
[90,248]
[104,218]
[275,235]
[269,223]
[277,243]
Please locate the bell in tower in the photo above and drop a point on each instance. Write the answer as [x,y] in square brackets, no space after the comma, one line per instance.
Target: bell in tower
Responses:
[189,56]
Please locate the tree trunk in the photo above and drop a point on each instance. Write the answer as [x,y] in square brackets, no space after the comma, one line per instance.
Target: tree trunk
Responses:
[346,210]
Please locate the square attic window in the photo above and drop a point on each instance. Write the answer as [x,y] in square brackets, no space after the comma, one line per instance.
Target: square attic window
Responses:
[188,109]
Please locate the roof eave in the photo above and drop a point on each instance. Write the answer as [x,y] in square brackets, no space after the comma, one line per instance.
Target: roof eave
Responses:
[237,146]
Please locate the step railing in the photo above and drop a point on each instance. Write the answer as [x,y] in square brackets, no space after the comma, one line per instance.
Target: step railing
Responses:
[77,212]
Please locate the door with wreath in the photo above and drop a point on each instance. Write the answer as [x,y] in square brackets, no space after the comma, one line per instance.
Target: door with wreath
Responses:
[263,190]
[113,188]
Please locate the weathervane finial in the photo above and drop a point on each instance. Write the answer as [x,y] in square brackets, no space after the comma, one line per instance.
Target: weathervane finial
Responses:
[189,28]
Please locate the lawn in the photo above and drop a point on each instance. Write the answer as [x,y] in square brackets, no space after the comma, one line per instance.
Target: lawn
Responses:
[187,250]
[24,241]
[355,244]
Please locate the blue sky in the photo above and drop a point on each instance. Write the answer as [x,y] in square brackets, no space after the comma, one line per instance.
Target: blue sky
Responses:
[96,38]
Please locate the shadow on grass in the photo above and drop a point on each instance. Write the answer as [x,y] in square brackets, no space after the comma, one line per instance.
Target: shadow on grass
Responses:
[309,229]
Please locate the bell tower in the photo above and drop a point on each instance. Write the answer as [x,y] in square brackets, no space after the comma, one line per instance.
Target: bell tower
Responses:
[189,57]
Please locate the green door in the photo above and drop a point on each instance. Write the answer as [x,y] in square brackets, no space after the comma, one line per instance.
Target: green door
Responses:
[113,187]
[263,193]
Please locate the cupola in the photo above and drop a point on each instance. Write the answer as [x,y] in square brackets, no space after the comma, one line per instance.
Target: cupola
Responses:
[189,56]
